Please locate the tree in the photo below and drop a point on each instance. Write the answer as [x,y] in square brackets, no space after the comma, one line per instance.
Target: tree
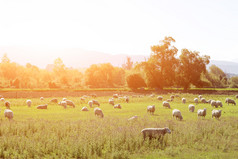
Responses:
[191,66]
[135,81]
[129,64]
[160,67]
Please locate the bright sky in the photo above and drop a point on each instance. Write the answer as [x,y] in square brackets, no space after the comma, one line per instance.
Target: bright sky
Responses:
[122,26]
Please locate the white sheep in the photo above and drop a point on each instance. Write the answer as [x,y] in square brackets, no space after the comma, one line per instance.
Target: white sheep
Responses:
[176,113]
[236,96]
[219,103]
[209,101]
[98,112]
[111,101]
[200,96]
[133,118]
[82,99]
[41,98]
[155,132]
[203,100]
[90,103]
[28,102]
[7,104]
[42,106]
[216,113]
[70,103]
[183,100]
[151,109]
[213,103]
[117,106]
[95,102]
[152,95]
[228,101]
[196,100]
[169,100]
[160,98]
[2,99]
[63,103]
[64,99]
[115,95]
[166,104]
[126,99]
[191,108]
[54,100]
[84,109]
[172,97]
[8,113]
[202,112]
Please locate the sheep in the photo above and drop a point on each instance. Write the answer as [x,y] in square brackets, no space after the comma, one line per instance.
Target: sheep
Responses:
[166,104]
[82,99]
[63,103]
[42,106]
[196,100]
[219,103]
[2,99]
[98,112]
[84,109]
[7,104]
[152,95]
[8,113]
[172,97]
[64,99]
[126,99]
[151,109]
[93,95]
[214,103]
[133,118]
[236,96]
[183,100]
[118,106]
[176,113]
[155,132]
[90,103]
[228,100]
[54,100]
[191,108]
[28,102]
[202,112]
[111,101]
[203,100]
[160,98]
[84,96]
[41,98]
[177,95]
[115,96]
[96,102]
[216,113]
[209,101]
[200,96]
[70,103]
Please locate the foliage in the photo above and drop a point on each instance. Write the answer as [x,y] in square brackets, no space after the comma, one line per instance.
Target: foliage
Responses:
[129,64]
[135,81]
[234,82]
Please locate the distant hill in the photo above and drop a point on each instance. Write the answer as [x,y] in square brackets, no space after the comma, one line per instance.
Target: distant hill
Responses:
[79,58]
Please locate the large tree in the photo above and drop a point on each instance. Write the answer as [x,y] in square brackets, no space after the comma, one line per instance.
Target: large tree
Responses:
[160,67]
[191,66]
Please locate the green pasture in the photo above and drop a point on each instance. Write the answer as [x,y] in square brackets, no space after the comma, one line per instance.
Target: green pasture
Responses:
[71,133]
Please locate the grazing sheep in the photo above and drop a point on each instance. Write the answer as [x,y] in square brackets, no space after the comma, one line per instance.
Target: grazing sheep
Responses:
[96,102]
[42,106]
[169,100]
[202,112]
[155,132]
[63,103]
[200,96]
[214,103]
[84,96]
[160,98]
[82,99]
[111,101]
[228,101]
[64,99]
[84,109]
[183,100]
[151,109]
[7,104]
[166,104]
[117,106]
[172,97]
[70,103]
[28,102]
[115,96]
[216,113]
[176,113]
[98,112]
[219,103]
[41,98]
[152,95]
[196,100]
[90,103]
[203,100]
[236,96]
[54,100]
[126,99]
[209,101]
[133,118]
[8,113]
[2,99]
[191,108]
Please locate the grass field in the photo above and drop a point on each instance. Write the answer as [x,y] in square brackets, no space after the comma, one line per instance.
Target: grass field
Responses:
[70,133]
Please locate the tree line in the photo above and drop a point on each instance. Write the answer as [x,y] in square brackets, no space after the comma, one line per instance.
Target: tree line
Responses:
[163,69]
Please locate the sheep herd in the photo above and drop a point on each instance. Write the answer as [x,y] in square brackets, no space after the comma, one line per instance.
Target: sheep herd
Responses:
[149,132]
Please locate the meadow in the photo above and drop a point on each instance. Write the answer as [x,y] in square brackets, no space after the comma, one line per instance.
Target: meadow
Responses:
[71,133]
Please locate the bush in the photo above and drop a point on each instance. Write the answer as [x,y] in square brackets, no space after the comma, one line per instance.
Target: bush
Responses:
[135,81]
